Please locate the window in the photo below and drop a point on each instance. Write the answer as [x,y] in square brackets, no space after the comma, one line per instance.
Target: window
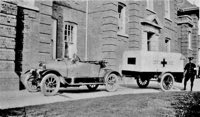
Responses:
[70,35]
[121,18]
[168,44]
[189,41]
[54,37]
[132,61]
[150,4]
[149,41]
[167,9]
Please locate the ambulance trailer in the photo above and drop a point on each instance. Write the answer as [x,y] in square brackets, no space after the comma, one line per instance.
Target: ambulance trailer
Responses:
[164,67]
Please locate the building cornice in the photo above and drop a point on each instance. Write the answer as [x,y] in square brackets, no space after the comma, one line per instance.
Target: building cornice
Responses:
[185,19]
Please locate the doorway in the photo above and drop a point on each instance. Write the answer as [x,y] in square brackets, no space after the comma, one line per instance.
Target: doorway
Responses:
[149,41]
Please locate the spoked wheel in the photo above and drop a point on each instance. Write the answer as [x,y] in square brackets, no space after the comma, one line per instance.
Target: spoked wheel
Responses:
[167,81]
[31,83]
[142,83]
[92,87]
[50,84]
[111,82]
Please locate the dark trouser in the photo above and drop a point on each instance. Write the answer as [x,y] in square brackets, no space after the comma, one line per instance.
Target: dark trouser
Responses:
[187,77]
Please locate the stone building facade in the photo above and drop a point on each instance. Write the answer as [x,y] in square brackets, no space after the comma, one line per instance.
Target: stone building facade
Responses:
[8,77]
[43,31]
[188,16]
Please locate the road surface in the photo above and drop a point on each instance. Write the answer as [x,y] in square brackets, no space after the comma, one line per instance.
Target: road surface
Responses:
[23,98]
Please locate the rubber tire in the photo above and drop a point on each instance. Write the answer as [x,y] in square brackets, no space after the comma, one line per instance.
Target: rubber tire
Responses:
[163,78]
[27,86]
[112,87]
[92,88]
[139,80]
[43,85]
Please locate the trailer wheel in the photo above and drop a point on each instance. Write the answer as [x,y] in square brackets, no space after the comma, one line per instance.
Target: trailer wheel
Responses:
[111,81]
[92,87]
[50,84]
[142,83]
[166,82]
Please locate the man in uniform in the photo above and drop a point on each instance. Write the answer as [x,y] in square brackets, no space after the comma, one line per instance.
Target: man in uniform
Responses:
[189,73]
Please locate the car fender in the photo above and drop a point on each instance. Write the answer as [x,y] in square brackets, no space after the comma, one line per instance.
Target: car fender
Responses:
[27,71]
[30,70]
[48,71]
[109,71]
[23,75]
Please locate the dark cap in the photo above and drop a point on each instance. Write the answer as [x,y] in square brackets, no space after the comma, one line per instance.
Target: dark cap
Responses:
[190,58]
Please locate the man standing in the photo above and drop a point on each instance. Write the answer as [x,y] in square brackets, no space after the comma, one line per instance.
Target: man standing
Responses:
[189,73]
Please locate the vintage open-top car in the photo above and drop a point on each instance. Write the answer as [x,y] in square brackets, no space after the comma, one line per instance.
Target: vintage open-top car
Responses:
[67,73]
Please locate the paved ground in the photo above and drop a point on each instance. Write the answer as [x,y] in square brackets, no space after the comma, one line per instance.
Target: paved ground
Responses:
[128,86]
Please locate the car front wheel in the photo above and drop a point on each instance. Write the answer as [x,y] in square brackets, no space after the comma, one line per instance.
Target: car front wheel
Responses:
[50,84]
[111,82]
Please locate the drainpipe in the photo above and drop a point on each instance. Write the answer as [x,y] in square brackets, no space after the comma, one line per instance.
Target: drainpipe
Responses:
[86,34]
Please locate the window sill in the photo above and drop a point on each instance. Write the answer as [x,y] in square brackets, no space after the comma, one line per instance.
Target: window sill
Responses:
[190,49]
[122,34]
[29,7]
[168,19]
[152,11]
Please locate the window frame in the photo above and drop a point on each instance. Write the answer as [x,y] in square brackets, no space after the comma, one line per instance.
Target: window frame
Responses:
[167,9]
[189,40]
[150,5]
[73,38]
[168,44]
[149,41]
[54,38]
[122,19]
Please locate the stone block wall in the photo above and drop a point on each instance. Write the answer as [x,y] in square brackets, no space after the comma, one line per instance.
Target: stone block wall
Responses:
[135,13]
[8,78]
[194,37]
[29,38]
[33,43]
[188,22]
[34,34]
[109,33]
[104,43]
[45,31]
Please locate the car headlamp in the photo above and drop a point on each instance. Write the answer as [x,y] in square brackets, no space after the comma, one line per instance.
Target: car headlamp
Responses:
[42,66]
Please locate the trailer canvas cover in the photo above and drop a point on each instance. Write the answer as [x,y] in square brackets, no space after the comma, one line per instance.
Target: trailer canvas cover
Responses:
[151,61]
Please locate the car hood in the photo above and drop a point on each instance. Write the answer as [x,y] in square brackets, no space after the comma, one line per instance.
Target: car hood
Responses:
[55,65]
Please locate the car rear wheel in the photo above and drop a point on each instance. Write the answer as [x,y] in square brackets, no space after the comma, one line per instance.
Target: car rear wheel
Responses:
[166,82]
[92,87]
[50,85]
[142,83]
[111,82]
[31,83]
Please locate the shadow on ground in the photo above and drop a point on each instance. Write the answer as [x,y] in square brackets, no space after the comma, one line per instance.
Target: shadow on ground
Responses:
[155,87]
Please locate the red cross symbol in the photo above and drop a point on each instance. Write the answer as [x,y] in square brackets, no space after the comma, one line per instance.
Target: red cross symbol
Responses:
[163,62]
